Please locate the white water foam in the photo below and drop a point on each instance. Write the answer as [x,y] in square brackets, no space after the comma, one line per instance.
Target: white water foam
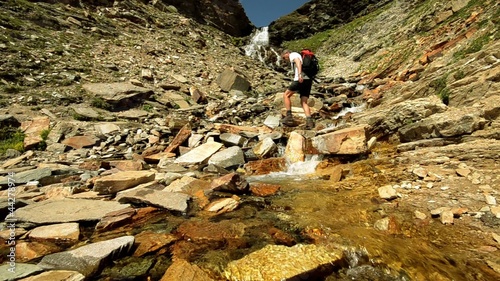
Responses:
[294,170]
[259,45]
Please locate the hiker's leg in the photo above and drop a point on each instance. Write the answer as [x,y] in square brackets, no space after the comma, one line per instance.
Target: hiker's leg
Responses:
[305,106]
[287,99]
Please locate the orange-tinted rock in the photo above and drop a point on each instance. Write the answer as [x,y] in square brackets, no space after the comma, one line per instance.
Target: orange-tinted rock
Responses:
[181,270]
[264,189]
[266,166]
[149,241]
[78,142]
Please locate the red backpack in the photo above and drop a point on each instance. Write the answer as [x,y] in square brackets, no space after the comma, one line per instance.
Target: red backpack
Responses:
[310,63]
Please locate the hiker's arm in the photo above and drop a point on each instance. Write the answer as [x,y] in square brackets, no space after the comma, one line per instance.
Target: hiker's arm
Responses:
[298,64]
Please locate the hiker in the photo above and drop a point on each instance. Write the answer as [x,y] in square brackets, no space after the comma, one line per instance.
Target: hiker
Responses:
[301,83]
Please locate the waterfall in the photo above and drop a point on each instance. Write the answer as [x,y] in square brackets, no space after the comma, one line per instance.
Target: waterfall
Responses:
[258,47]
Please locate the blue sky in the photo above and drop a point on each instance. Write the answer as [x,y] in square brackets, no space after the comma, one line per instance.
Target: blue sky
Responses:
[263,12]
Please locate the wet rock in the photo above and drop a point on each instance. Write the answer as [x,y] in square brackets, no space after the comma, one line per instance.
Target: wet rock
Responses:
[495,210]
[89,259]
[382,224]
[67,210]
[419,215]
[490,200]
[18,270]
[213,234]
[447,217]
[67,233]
[122,180]
[223,205]
[27,250]
[158,198]
[232,182]
[294,150]
[149,242]
[420,172]
[264,189]
[188,185]
[387,192]
[181,270]
[275,262]
[199,154]
[266,166]
[346,141]
[115,219]
[230,80]
[57,275]
[119,95]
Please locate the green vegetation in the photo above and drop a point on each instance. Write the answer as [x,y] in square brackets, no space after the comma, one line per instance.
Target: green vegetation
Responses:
[313,42]
[100,103]
[147,107]
[459,74]
[439,85]
[44,135]
[11,138]
[475,46]
[12,89]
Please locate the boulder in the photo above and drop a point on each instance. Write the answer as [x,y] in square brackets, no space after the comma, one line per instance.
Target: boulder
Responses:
[229,80]
[346,141]
[229,157]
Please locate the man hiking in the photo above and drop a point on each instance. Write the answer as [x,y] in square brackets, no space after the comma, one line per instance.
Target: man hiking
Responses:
[301,83]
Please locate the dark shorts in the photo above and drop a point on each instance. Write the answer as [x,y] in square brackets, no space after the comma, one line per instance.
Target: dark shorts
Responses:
[304,88]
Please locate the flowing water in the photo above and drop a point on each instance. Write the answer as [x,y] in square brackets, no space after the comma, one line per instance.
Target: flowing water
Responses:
[311,208]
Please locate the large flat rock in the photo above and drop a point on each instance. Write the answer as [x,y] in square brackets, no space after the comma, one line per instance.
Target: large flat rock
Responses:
[277,262]
[89,259]
[122,180]
[199,154]
[67,210]
[168,200]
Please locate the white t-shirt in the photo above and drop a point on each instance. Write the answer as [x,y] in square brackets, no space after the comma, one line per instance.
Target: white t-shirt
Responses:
[292,57]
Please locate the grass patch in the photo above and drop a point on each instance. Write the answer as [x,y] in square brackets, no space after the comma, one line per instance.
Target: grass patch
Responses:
[100,103]
[44,135]
[12,89]
[475,46]
[11,138]
[439,85]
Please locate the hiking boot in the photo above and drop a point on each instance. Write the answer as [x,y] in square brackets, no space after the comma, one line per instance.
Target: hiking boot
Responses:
[288,121]
[309,123]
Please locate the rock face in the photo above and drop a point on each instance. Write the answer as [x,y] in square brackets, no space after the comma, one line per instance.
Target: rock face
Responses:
[275,262]
[227,15]
[316,16]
